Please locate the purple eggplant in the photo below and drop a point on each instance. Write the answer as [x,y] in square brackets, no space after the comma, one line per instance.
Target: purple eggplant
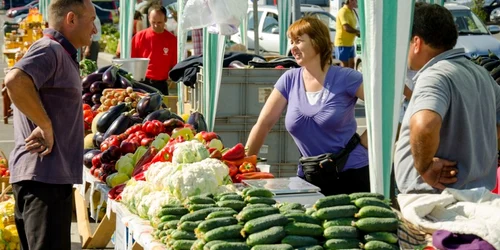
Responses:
[124,82]
[109,76]
[95,107]
[120,125]
[161,115]
[87,98]
[106,119]
[136,118]
[149,104]
[145,87]
[197,120]
[87,157]
[94,77]
[96,98]
[98,139]
[96,87]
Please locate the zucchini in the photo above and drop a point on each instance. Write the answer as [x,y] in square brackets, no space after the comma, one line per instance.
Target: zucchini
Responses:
[263,223]
[338,222]
[382,236]
[301,217]
[341,232]
[196,207]
[370,201]
[227,232]
[248,206]
[169,217]
[220,214]
[200,199]
[372,225]
[236,205]
[355,196]
[299,241]
[379,245]
[189,226]
[316,247]
[171,224]
[310,211]
[330,213]
[231,198]
[268,236]
[210,224]
[182,244]
[230,246]
[249,214]
[260,200]
[201,214]
[182,235]
[291,206]
[303,229]
[331,201]
[272,247]
[342,244]
[198,245]
[208,245]
[259,192]
[180,211]
[375,211]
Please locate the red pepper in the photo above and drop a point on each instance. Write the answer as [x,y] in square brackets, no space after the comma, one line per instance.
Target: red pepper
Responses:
[110,141]
[115,192]
[247,167]
[147,157]
[233,170]
[152,128]
[133,129]
[215,154]
[235,153]
[254,175]
[140,177]
[166,153]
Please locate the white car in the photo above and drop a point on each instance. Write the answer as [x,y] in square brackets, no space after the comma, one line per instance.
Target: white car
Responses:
[268,29]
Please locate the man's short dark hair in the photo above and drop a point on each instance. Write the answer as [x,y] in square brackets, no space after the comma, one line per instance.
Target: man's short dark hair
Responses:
[58,9]
[157,8]
[435,25]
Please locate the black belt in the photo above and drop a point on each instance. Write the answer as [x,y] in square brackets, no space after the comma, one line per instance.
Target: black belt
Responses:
[148,80]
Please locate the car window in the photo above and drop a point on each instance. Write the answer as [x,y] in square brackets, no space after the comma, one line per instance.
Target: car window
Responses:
[325,17]
[467,22]
[250,19]
[270,23]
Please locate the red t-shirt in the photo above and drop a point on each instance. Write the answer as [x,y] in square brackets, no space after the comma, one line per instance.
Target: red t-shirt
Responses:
[160,48]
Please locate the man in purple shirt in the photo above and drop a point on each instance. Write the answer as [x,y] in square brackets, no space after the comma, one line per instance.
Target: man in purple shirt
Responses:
[45,89]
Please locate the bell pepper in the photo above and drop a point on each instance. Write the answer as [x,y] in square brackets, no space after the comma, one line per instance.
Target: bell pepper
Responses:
[110,141]
[146,158]
[115,193]
[247,167]
[215,154]
[253,176]
[233,170]
[166,153]
[153,128]
[235,153]
[251,159]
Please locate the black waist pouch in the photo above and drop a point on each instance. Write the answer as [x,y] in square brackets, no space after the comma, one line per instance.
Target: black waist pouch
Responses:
[322,170]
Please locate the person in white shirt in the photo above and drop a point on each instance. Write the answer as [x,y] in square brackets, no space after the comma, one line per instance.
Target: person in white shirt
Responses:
[92,51]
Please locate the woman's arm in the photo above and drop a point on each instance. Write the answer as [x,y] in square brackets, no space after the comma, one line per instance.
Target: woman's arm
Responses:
[269,115]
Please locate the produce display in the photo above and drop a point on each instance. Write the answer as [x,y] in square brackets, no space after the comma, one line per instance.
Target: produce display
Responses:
[4,166]
[9,238]
[490,63]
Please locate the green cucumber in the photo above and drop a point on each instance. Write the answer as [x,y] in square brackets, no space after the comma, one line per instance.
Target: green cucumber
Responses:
[341,232]
[379,245]
[200,199]
[301,217]
[263,223]
[171,224]
[248,206]
[227,232]
[208,245]
[330,213]
[299,241]
[303,229]
[372,225]
[182,235]
[268,236]
[331,201]
[272,247]
[260,200]
[375,211]
[210,224]
[316,247]
[236,205]
[161,225]
[180,211]
[291,206]
[196,207]
[310,211]
[201,214]
[382,236]
[198,244]
[370,201]
[230,246]
[245,190]
[169,217]
[342,244]
[293,211]
[182,244]
[249,214]
[189,226]
[221,214]
[259,192]
[224,194]
[231,198]
[355,196]
[338,222]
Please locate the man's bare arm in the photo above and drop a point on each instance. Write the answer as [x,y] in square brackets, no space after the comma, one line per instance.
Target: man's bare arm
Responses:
[424,138]
[350,29]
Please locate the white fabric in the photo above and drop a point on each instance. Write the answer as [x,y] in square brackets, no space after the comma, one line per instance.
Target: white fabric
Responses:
[313,97]
[475,211]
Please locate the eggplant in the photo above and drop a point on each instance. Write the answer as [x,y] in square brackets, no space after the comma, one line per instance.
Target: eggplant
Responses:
[103,69]
[122,82]
[94,77]
[96,87]
[120,125]
[87,157]
[106,119]
[98,139]
[136,118]
[197,120]
[149,103]
[145,87]
[95,107]
[96,98]
[160,115]
[87,98]
[109,76]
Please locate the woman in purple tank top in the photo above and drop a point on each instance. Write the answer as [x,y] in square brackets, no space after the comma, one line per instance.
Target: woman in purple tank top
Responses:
[319,99]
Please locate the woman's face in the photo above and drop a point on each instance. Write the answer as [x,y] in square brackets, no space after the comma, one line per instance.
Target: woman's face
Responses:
[303,50]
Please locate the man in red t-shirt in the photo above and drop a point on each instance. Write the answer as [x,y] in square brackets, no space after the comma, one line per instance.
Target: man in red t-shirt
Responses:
[159,45]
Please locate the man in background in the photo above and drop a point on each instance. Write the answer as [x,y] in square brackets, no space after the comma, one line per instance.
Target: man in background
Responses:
[346,33]
[92,51]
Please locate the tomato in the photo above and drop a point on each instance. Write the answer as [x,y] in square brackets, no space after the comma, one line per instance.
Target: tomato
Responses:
[88,113]
[86,107]
[88,119]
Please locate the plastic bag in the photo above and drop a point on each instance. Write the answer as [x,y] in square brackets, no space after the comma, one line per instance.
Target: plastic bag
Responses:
[222,16]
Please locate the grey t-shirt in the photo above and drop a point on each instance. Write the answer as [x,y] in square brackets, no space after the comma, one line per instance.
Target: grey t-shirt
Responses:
[468,101]
[51,63]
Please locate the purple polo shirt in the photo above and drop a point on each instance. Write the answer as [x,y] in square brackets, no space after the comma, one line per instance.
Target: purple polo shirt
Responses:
[51,64]
[326,126]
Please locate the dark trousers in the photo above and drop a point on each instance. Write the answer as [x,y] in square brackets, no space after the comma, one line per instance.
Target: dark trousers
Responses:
[346,182]
[161,85]
[43,215]
[94,51]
